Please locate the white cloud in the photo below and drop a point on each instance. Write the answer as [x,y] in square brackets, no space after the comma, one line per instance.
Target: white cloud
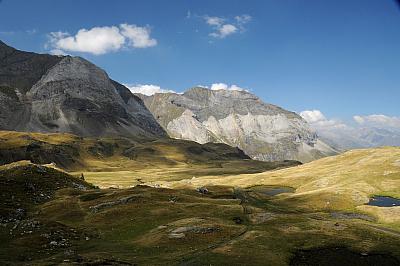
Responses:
[147,89]
[318,120]
[57,52]
[368,131]
[223,86]
[214,21]
[243,19]
[312,116]
[359,119]
[378,120]
[223,29]
[98,40]
[139,37]
[101,40]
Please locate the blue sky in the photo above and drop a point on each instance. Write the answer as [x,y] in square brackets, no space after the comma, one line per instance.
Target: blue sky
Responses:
[341,57]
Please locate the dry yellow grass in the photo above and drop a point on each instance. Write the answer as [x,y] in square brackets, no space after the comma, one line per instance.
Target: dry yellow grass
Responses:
[11,139]
[341,182]
[125,162]
[228,225]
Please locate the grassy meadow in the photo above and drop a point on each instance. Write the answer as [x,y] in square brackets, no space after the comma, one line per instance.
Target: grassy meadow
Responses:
[171,202]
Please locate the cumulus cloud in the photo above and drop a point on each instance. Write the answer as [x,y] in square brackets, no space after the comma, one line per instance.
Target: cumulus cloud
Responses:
[223,86]
[147,89]
[98,40]
[138,37]
[318,120]
[101,40]
[312,116]
[223,28]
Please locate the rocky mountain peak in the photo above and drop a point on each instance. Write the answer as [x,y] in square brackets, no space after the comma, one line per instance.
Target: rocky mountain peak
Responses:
[237,118]
[46,93]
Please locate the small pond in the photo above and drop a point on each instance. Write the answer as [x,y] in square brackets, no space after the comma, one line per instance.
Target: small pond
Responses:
[383,201]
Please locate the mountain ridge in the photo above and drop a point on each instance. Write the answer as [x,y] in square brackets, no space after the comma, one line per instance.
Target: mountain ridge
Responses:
[65,94]
[237,118]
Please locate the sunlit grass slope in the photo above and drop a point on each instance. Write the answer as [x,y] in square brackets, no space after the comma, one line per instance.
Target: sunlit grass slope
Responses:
[56,219]
[342,182]
[50,217]
[124,162]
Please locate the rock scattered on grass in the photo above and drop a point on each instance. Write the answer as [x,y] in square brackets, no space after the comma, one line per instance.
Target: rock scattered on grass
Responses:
[180,231]
[202,190]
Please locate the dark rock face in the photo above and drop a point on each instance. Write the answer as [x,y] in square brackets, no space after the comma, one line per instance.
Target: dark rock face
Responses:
[20,69]
[44,93]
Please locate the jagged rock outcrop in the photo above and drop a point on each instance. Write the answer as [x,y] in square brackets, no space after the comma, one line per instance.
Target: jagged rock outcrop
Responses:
[237,118]
[44,93]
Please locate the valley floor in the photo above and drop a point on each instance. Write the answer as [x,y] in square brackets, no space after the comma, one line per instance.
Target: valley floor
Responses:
[311,214]
[155,226]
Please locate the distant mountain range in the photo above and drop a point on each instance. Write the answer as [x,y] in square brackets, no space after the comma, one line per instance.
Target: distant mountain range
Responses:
[347,138]
[364,132]
[45,93]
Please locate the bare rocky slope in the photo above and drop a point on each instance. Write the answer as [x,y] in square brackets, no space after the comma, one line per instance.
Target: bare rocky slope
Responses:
[64,94]
[44,93]
[240,119]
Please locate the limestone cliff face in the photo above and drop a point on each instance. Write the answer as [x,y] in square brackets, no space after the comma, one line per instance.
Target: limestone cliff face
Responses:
[237,118]
[68,94]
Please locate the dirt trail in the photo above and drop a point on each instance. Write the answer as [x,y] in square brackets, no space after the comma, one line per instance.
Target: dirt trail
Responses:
[385,230]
